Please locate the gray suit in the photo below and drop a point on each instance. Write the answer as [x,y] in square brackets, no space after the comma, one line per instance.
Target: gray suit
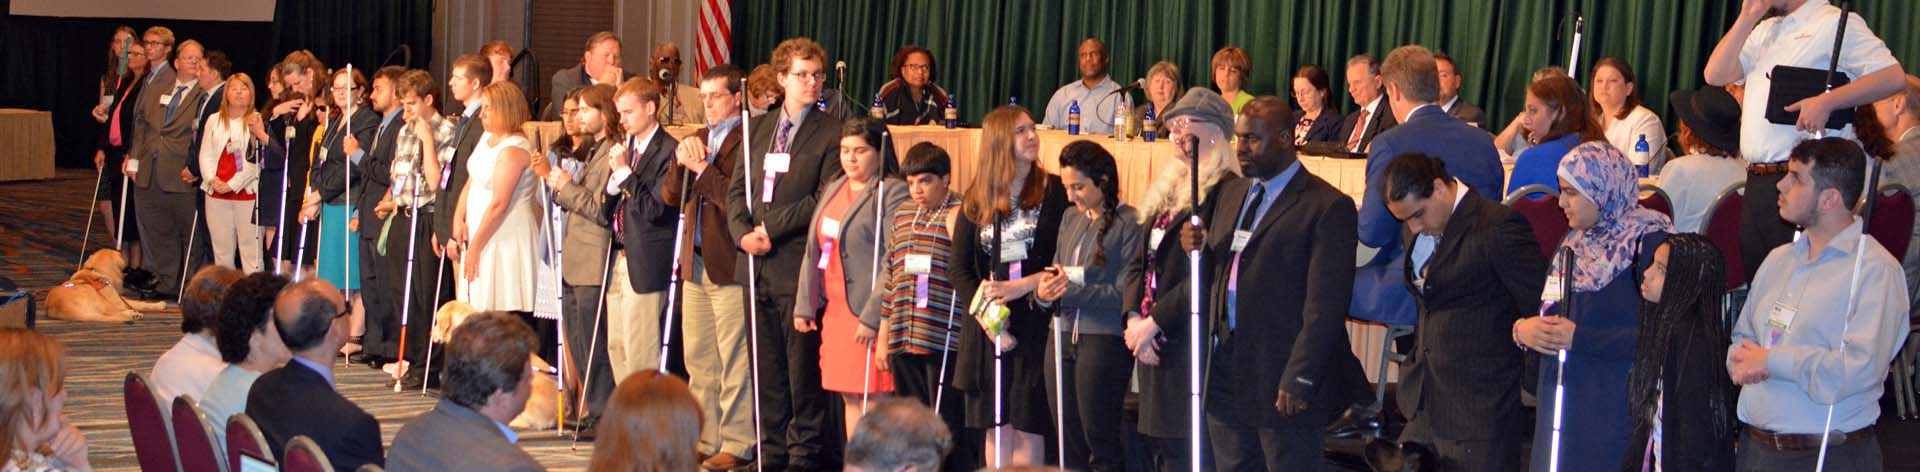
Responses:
[857,240]
[584,269]
[163,202]
[454,437]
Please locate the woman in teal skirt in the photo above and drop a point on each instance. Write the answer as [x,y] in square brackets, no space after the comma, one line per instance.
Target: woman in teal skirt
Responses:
[347,129]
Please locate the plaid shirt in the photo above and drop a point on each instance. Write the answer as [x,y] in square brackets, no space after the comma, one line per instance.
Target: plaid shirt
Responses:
[406,159]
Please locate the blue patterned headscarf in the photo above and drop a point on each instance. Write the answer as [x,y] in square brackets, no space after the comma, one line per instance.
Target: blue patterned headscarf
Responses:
[1601,173]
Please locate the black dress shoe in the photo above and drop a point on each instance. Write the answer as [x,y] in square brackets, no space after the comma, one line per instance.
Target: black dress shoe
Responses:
[1357,421]
[414,379]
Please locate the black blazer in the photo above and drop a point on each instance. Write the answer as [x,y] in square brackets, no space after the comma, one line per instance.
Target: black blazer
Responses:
[1163,389]
[1324,129]
[296,401]
[649,223]
[1296,279]
[465,139]
[1485,273]
[330,179]
[1473,115]
[815,150]
[374,173]
[1382,120]
[126,99]
[200,126]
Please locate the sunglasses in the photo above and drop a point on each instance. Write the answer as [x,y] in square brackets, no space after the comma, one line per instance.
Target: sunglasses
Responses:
[669,60]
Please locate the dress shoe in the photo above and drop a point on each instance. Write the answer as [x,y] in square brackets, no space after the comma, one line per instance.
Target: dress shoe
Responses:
[724,461]
[1358,420]
[414,379]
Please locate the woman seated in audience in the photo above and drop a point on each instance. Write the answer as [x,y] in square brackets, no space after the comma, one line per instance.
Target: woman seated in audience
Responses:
[1710,135]
[763,91]
[1616,106]
[1513,140]
[33,396]
[912,98]
[1316,121]
[1682,350]
[1163,88]
[652,424]
[190,365]
[839,278]
[1556,119]
[249,344]
[1099,238]
[1231,67]
[1610,237]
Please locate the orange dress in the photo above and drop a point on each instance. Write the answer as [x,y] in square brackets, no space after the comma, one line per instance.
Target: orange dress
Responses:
[842,360]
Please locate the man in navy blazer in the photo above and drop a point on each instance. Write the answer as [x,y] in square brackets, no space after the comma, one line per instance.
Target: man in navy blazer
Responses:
[1413,88]
[298,399]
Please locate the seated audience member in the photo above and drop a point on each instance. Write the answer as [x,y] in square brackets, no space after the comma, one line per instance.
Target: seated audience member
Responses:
[1556,119]
[299,399]
[1450,92]
[599,64]
[1314,121]
[488,378]
[36,432]
[1675,392]
[1513,139]
[1094,93]
[912,98]
[652,424]
[1616,108]
[1374,115]
[1844,305]
[248,343]
[1901,113]
[898,435]
[1231,67]
[1163,89]
[763,90]
[1710,136]
[191,364]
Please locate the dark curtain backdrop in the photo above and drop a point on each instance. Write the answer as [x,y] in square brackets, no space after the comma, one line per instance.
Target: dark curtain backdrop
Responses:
[55,64]
[990,50]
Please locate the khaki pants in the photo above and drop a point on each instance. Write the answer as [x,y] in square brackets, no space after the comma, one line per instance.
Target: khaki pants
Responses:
[633,324]
[715,333]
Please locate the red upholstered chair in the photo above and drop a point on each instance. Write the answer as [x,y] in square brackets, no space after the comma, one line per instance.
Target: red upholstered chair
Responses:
[1652,197]
[305,456]
[243,437]
[1723,228]
[1892,222]
[152,436]
[1541,206]
[193,437]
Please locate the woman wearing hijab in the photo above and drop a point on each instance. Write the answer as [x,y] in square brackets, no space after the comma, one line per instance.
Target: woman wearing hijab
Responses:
[1681,402]
[1598,317]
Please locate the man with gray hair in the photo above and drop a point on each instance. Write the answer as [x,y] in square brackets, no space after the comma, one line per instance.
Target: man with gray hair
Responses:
[488,378]
[1363,84]
[898,435]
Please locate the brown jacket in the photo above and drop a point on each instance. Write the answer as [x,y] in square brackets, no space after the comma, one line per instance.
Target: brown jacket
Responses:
[719,248]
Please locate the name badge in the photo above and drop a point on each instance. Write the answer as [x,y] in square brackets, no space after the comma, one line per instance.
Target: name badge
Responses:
[1552,291]
[166,100]
[920,291]
[919,263]
[778,162]
[1779,321]
[106,100]
[1076,275]
[1240,239]
[830,227]
[1153,239]
[403,167]
[826,253]
[1013,252]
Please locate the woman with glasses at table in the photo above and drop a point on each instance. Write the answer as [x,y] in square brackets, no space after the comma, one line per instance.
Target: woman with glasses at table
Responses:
[1163,88]
[912,98]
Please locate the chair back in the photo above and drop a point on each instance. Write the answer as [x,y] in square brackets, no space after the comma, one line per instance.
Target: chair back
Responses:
[1541,206]
[1893,219]
[1723,228]
[304,456]
[193,437]
[1652,197]
[152,435]
[243,437]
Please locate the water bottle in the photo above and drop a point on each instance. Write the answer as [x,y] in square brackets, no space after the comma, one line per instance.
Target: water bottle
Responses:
[1641,156]
[877,111]
[952,113]
[1120,112]
[1147,124]
[1073,118]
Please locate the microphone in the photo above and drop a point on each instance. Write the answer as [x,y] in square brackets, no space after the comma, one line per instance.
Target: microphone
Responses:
[663,75]
[840,67]
[1138,84]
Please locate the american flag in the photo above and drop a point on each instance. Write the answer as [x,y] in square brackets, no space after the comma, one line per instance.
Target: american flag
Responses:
[716,35]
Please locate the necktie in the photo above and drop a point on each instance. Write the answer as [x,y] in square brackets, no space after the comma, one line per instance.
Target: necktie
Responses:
[173,103]
[1248,218]
[446,173]
[780,138]
[1359,129]
[620,214]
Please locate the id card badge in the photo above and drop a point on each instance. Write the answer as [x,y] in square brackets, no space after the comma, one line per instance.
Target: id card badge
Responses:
[919,264]
[106,100]
[830,227]
[166,100]
[1240,239]
[403,167]
[133,165]
[774,165]
[1013,253]
[1551,292]
[1153,239]
[920,291]
[1779,321]
[1076,275]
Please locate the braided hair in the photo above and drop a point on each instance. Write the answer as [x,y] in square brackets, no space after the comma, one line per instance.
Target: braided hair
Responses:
[1687,322]
[1092,160]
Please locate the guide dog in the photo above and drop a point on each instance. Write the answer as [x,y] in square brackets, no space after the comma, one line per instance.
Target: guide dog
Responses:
[94,293]
[543,406]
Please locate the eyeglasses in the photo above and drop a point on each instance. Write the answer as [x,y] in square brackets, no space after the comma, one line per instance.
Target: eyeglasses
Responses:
[817,75]
[343,89]
[918,67]
[668,60]
[156,43]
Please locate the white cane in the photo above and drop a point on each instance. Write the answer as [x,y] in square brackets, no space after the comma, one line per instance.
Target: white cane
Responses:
[186,259]
[286,180]
[100,175]
[1853,290]
[346,244]
[300,251]
[439,277]
[1193,311]
[753,279]
[946,347]
[873,272]
[1560,373]
[673,277]
[406,290]
[593,339]
[1059,394]
[120,228]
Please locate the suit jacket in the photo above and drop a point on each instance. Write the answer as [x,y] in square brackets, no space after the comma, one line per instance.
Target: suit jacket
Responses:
[1324,129]
[565,80]
[161,144]
[719,247]
[858,239]
[1382,121]
[374,174]
[294,400]
[1379,288]
[1163,389]
[214,98]
[589,232]
[1484,273]
[815,161]
[126,97]
[1469,113]
[649,222]
[454,437]
[465,139]
[330,177]
[1296,276]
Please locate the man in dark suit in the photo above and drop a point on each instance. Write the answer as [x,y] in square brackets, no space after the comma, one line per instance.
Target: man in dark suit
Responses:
[382,260]
[299,399]
[589,237]
[489,377]
[643,231]
[212,79]
[1282,242]
[1473,268]
[1379,291]
[163,185]
[599,64]
[1450,100]
[1358,129]
[714,300]
[793,152]
[470,74]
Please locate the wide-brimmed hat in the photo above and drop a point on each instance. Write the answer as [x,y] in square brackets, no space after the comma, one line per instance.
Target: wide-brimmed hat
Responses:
[1712,114]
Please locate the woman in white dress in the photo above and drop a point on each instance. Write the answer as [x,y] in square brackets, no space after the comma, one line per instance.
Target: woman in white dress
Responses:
[495,220]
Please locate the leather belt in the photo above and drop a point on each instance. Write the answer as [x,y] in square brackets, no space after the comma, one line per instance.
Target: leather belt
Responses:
[1769,168]
[1801,442]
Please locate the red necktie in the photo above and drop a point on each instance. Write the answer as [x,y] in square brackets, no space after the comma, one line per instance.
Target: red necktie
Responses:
[1359,129]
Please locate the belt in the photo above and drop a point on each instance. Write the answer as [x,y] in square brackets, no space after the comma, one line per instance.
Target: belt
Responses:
[1769,168]
[1801,442]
